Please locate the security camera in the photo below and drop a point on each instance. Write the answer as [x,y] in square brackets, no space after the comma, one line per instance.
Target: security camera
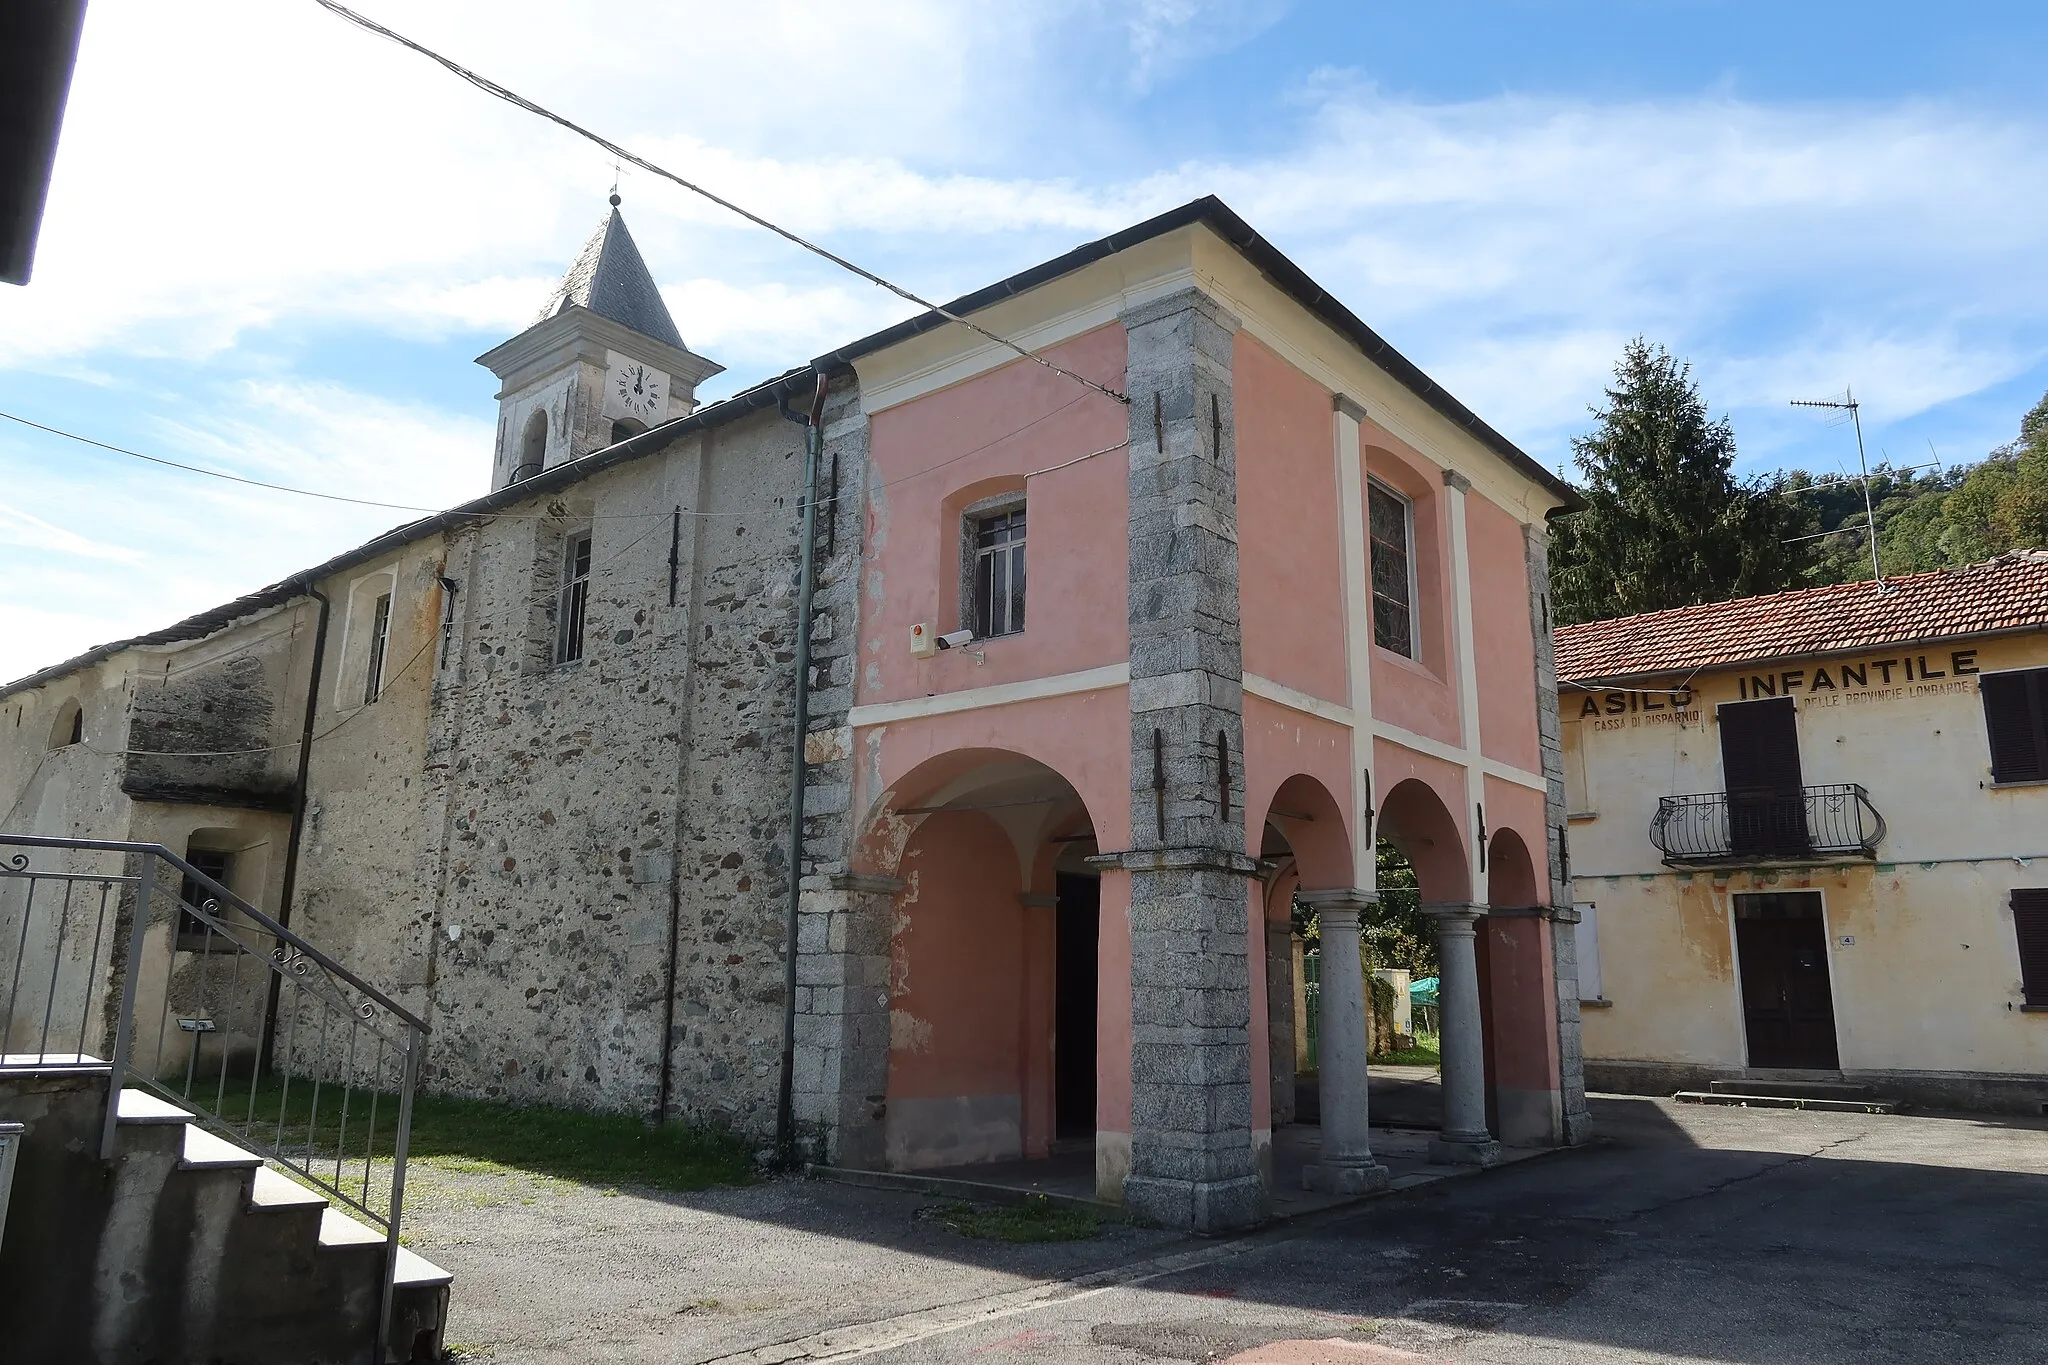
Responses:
[956,639]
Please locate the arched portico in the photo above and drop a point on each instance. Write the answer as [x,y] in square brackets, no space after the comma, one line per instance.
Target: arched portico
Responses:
[1305,827]
[977,860]
[1517,982]
[1421,825]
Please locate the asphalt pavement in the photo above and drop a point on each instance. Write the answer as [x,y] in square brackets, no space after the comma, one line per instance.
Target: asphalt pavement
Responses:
[1682,1234]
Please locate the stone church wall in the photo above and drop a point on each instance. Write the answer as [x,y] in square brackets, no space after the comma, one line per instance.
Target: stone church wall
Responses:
[512,841]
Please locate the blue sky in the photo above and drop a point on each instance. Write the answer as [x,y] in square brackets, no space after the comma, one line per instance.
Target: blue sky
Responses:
[275,245]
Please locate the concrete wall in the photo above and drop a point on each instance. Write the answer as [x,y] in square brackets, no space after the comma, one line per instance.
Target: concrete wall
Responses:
[1921,952]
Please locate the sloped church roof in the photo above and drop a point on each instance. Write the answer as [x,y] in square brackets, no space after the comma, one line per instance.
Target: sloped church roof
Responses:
[611,280]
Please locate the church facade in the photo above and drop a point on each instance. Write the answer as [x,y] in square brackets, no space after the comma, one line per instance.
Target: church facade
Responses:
[528,761]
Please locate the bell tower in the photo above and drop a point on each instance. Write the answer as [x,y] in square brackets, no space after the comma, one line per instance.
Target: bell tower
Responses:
[602,362]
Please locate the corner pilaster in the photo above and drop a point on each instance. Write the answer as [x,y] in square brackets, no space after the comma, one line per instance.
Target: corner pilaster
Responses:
[1193,1164]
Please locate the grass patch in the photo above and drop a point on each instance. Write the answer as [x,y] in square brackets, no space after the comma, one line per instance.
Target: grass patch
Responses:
[1037,1220]
[1424,1053]
[481,1137]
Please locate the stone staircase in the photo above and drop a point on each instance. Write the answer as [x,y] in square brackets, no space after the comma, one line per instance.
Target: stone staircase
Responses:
[1836,1096]
[186,1247]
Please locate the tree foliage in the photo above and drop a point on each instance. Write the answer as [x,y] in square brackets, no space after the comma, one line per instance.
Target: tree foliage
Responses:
[1667,523]
[1395,932]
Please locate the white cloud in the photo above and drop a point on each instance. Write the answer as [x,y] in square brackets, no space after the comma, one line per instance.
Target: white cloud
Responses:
[235,165]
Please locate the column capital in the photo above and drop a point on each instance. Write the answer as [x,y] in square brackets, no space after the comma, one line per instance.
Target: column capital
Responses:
[1172,859]
[1347,406]
[1454,480]
[1448,913]
[1352,898]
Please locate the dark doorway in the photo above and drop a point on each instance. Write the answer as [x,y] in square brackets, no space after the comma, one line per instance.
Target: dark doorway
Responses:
[1787,1003]
[1073,1014]
[1760,765]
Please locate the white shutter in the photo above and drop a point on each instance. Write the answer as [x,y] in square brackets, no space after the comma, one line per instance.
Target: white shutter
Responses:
[1587,932]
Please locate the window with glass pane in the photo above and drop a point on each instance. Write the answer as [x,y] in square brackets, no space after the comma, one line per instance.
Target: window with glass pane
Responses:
[380,635]
[193,932]
[1393,589]
[999,573]
[575,598]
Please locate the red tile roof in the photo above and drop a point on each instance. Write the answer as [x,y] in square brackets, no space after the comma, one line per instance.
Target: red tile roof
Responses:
[2004,594]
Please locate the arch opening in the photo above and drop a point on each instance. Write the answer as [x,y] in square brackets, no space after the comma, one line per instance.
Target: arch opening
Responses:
[68,726]
[994,946]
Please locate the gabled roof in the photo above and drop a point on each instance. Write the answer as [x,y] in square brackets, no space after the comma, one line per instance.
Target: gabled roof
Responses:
[610,273]
[2009,593]
[611,280]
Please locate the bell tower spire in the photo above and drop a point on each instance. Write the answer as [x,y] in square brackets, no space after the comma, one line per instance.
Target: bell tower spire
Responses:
[602,362]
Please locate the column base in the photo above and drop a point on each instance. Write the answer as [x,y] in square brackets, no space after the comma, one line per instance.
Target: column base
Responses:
[1205,1206]
[1368,1179]
[1463,1151]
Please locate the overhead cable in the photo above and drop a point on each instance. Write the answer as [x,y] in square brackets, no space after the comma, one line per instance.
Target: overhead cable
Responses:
[497,91]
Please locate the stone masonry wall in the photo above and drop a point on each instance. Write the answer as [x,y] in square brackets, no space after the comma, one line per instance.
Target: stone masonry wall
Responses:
[1193,1161]
[1578,1122]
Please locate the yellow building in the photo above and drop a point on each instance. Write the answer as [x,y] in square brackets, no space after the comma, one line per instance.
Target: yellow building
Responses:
[1809,839]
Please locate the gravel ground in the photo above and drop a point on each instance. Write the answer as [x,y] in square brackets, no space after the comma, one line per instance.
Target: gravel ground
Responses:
[1684,1234]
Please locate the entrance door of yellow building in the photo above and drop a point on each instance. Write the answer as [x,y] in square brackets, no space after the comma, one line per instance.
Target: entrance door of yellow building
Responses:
[1788,1007]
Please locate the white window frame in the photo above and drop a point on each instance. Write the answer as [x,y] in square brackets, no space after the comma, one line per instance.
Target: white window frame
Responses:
[1414,650]
[572,597]
[972,553]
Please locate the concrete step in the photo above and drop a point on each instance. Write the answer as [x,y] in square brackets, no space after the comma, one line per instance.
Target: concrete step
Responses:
[1797,1090]
[1831,1106]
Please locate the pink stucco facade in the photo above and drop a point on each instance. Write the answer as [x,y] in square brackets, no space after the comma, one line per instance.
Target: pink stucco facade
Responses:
[991,781]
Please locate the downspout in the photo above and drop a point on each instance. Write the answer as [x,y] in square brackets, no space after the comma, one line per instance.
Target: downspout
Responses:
[814,439]
[291,850]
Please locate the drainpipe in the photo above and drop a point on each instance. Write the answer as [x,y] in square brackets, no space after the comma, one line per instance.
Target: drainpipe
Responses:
[814,439]
[291,850]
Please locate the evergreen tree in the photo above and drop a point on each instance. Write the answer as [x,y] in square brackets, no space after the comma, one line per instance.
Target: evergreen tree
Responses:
[1667,523]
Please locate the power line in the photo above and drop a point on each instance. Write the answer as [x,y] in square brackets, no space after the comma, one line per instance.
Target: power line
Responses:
[497,91]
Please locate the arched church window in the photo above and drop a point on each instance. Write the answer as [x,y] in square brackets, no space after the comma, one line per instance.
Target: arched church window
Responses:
[626,428]
[533,449]
[69,727]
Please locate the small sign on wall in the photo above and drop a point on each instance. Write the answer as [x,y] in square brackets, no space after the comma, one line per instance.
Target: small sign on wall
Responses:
[1847,940]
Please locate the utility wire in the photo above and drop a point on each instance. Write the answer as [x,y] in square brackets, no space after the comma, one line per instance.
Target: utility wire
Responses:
[497,91]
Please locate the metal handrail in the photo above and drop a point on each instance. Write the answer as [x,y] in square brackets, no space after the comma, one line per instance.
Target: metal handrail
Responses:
[318,983]
[1830,820]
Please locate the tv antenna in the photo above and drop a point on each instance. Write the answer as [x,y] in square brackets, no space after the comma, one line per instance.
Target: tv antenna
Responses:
[1847,404]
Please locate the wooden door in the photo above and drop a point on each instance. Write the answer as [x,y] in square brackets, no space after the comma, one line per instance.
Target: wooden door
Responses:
[1073,1057]
[1760,768]
[1788,1006]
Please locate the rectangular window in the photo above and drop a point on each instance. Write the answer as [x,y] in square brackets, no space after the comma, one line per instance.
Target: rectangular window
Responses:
[1390,521]
[999,574]
[575,598]
[2016,721]
[445,649]
[193,932]
[2030,924]
[380,636]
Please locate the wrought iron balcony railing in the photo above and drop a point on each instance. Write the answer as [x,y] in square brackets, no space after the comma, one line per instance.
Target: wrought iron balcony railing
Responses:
[1833,821]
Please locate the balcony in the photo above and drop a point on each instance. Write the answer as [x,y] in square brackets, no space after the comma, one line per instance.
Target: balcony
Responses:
[1723,828]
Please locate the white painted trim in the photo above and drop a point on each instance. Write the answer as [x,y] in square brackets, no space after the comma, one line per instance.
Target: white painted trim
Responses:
[1282,695]
[1436,748]
[1351,541]
[1001,694]
[1294,700]
[1468,674]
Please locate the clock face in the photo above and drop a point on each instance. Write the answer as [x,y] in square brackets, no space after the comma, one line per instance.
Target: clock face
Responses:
[639,391]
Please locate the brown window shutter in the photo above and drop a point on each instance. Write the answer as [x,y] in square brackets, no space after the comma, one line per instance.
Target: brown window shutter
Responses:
[2030,925]
[2014,707]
